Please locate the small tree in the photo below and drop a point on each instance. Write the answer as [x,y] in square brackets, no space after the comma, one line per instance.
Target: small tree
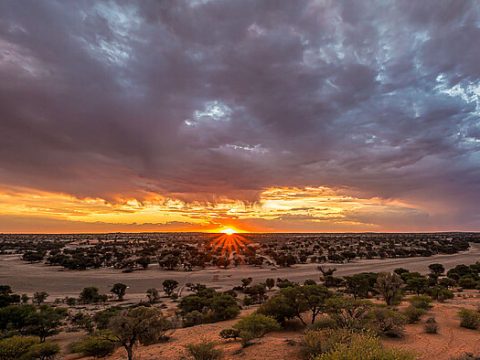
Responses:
[24,299]
[119,290]
[169,286]
[389,285]
[153,295]
[91,295]
[39,297]
[246,282]
[306,298]
[279,308]
[45,321]
[436,269]
[141,324]
[270,283]
[358,285]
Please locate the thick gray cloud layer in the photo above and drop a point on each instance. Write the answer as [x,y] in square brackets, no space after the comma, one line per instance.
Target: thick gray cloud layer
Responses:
[197,99]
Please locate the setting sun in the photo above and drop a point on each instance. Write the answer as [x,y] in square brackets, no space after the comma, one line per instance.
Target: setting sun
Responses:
[228,231]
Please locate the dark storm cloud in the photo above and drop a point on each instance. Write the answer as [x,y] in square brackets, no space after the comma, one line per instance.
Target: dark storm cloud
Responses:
[194,98]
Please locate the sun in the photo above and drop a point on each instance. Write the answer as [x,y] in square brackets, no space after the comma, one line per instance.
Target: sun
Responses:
[228,231]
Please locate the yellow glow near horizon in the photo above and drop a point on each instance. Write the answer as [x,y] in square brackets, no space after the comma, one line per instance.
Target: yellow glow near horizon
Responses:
[287,209]
[228,231]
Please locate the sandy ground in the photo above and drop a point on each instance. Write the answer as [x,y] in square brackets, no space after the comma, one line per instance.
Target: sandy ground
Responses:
[28,278]
[452,340]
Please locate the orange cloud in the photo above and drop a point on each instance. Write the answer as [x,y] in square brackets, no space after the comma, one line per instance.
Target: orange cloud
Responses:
[277,209]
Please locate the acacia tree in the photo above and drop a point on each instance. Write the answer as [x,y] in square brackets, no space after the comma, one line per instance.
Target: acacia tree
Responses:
[169,286]
[153,295]
[119,290]
[45,321]
[306,298]
[389,285]
[270,283]
[358,285]
[436,269]
[39,297]
[145,325]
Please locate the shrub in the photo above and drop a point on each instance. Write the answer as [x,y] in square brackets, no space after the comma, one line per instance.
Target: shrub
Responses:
[325,322]
[255,326]
[317,342]
[213,306]
[193,318]
[43,351]
[365,347]
[469,319]
[16,347]
[440,293]
[230,334]
[95,346]
[421,302]
[413,314]
[348,312]
[431,326]
[204,351]
[467,282]
[387,322]
[247,301]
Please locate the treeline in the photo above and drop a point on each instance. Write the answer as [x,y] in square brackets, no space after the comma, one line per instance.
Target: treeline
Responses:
[181,252]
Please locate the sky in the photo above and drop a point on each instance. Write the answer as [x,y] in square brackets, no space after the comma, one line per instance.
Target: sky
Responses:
[289,116]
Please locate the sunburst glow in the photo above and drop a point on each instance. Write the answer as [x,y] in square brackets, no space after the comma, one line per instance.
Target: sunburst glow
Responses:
[228,231]
[227,245]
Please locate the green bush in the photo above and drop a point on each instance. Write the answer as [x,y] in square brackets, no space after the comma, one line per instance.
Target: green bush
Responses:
[43,351]
[421,302]
[212,305]
[364,347]
[317,342]
[387,322]
[16,347]
[95,346]
[431,326]
[440,293]
[204,351]
[413,314]
[469,319]
[255,326]
[467,282]
[193,318]
[278,308]
[325,322]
